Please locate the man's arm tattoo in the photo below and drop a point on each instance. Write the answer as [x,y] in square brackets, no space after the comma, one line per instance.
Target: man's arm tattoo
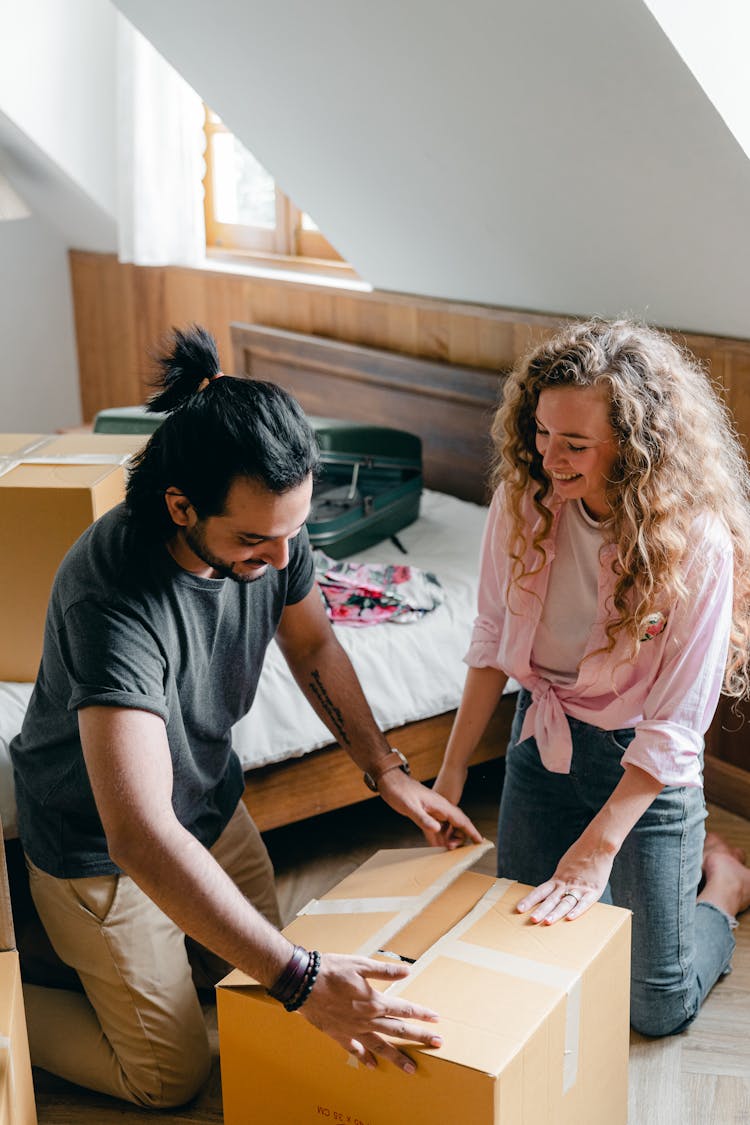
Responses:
[335,718]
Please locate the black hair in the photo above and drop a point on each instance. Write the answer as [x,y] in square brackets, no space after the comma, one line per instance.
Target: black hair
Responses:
[217,428]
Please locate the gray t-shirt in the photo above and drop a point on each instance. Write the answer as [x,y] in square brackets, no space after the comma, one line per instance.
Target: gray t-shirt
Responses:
[153,637]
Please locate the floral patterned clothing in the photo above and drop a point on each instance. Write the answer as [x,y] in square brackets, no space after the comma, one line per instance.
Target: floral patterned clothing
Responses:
[362,594]
[668,693]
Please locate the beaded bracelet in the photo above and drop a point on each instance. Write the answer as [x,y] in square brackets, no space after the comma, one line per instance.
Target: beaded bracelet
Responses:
[311,975]
[292,978]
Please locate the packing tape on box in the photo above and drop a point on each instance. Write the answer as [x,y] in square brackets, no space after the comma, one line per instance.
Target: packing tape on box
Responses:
[29,455]
[404,907]
[359,905]
[9,461]
[7,464]
[568,980]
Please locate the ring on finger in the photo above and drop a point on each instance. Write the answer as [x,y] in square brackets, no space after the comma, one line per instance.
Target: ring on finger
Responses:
[570,894]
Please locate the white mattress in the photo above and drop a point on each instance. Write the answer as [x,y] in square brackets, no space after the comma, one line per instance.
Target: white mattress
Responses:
[408,672]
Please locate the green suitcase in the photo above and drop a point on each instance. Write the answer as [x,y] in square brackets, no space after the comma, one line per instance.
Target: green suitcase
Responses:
[368,488]
[127,420]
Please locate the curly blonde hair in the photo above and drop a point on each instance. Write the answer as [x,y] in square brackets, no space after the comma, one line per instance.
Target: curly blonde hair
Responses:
[679,456]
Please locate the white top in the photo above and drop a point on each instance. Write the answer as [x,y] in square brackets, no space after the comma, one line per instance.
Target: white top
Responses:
[570,605]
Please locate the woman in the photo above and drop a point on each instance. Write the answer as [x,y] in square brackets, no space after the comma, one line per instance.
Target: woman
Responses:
[615,587]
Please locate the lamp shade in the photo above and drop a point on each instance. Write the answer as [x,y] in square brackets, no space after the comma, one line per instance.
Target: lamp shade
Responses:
[11,204]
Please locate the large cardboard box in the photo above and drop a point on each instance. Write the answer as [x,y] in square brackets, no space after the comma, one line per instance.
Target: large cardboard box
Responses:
[16,1087]
[51,489]
[535,1020]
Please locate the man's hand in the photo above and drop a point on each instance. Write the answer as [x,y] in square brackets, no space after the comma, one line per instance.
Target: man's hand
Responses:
[443,824]
[345,1006]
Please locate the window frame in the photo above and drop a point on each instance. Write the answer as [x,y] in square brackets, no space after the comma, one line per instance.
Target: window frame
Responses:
[288,244]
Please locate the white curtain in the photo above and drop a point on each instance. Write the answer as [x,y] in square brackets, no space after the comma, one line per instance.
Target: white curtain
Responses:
[160,158]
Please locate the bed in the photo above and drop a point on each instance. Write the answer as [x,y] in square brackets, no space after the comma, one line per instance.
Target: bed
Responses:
[450,408]
[412,674]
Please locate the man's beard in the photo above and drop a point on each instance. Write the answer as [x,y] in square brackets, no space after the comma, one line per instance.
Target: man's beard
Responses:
[196,542]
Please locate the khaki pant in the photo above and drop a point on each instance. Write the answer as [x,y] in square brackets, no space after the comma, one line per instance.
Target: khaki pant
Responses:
[138,1032]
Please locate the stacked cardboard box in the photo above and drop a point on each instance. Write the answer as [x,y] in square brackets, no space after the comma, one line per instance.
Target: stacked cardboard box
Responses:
[534,1020]
[16,1088]
[51,489]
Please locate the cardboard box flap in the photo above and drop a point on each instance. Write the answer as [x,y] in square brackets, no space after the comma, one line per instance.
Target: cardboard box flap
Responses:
[401,874]
[495,969]
[486,1018]
[438,916]
[563,946]
[357,916]
[413,877]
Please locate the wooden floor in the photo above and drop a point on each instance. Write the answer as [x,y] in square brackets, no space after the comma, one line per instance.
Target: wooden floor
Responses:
[699,1078]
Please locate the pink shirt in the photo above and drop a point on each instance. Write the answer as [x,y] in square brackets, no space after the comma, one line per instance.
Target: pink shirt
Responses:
[668,693]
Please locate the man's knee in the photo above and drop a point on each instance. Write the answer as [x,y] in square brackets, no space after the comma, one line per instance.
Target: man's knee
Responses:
[658,1012]
[172,1086]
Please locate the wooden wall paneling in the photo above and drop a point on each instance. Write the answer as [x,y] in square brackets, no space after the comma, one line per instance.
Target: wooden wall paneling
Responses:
[403,322]
[130,308]
[152,320]
[121,311]
[727,785]
[186,289]
[103,314]
[738,384]
[728,737]
[216,299]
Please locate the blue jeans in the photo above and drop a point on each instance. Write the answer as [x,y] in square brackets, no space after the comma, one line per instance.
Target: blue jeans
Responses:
[680,948]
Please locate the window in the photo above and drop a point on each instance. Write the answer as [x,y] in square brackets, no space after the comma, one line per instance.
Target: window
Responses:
[246,212]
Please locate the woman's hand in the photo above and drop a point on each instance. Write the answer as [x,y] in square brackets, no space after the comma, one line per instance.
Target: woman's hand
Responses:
[344,1005]
[583,872]
[578,882]
[448,784]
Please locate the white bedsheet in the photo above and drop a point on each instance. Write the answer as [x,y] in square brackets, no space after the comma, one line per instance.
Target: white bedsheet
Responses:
[408,672]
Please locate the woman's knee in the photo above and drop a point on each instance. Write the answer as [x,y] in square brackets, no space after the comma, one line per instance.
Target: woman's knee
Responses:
[658,1012]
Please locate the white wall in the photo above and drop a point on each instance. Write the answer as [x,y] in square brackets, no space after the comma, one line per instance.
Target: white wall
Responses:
[57,148]
[539,155]
[38,365]
[57,85]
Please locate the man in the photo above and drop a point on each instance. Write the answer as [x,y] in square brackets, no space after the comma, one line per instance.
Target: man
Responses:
[127,786]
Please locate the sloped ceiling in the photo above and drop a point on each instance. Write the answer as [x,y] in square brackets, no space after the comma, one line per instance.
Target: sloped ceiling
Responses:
[713,40]
[538,155]
[54,194]
[58,115]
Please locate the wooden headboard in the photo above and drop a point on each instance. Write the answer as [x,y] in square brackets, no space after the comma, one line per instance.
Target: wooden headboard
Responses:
[449,407]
